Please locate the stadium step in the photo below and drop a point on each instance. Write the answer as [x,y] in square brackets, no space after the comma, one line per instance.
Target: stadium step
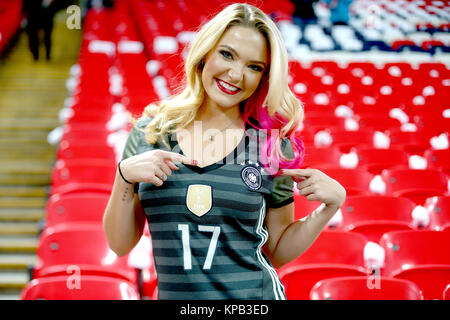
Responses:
[18,244]
[16,261]
[22,202]
[31,95]
[21,214]
[13,279]
[23,191]
[11,228]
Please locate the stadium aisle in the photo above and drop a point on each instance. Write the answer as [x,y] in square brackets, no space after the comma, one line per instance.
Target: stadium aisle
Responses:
[31,94]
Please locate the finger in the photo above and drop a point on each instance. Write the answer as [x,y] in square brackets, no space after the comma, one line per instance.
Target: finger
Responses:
[176,157]
[160,174]
[156,181]
[303,173]
[165,168]
[306,191]
[171,165]
[303,184]
[313,197]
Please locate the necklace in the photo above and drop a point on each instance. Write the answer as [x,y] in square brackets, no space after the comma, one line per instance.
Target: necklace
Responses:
[211,137]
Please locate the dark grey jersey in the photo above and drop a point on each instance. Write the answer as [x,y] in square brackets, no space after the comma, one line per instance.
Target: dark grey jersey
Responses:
[207,224]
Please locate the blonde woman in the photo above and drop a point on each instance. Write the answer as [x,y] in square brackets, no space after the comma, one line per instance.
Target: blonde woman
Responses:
[212,169]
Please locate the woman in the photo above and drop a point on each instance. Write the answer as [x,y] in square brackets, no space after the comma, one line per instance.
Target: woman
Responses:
[220,223]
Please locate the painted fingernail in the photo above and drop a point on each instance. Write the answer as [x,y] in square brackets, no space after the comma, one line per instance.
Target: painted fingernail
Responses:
[194,162]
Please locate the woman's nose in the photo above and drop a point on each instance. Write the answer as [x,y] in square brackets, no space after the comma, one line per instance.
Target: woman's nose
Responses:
[236,74]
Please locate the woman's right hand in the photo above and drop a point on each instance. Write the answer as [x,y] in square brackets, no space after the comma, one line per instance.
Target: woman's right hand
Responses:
[153,166]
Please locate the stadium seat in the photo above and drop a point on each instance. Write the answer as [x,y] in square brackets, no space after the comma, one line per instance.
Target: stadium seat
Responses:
[439,212]
[81,175]
[416,185]
[303,206]
[345,140]
[365,288]
[321,156]
[81,244]
[376,160]
[80,149]
[420,256]
[87,287]
[412,142]
[446,293]
[374,215]
[333,254]
[355,181]
[76,207]
[438,159]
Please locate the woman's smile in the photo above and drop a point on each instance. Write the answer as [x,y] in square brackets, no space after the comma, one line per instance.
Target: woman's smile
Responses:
[227,87]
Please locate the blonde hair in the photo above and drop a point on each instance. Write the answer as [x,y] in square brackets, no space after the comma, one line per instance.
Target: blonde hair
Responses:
[179,110]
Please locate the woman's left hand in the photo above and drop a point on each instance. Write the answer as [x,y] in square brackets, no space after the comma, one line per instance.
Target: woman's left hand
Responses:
[317,186]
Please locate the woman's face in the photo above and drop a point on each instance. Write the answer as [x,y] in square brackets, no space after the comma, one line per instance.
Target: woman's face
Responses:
[234,67]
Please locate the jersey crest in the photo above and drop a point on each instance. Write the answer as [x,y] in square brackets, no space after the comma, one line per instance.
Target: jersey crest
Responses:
[252,177]
[199,199]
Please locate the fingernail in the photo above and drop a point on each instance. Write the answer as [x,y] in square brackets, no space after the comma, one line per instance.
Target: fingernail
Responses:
[194,162]
[281,171]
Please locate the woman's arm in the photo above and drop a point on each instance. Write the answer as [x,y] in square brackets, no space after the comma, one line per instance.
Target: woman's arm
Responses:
[124,218]
[288,238]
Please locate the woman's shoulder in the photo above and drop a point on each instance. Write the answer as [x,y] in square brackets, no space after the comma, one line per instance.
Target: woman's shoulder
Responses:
[143,122]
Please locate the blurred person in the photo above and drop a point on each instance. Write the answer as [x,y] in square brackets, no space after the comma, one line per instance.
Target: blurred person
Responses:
[212,169]
[40,15]
[304,13]
[339,11]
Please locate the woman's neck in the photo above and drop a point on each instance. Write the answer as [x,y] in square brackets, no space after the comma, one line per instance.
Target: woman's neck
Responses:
[214,116]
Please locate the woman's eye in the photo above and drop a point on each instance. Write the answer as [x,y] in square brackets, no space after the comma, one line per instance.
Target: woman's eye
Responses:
[226,54]
[256,68]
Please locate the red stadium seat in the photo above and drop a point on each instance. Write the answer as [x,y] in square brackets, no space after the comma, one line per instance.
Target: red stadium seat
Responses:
[439,211]
[345,140]
[412,142]
[88,287]
[303,206]
[80,149]
[375,160]
[374,215]
[81,244]
[446,293]
[438,159]
[365,288]
[420,256]
[76,207]
[321,156]
[355,181]
[84,174]
[415,184]
[333,254]
[378,122]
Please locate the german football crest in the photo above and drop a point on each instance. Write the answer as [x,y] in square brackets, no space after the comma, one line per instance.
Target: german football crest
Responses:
[199,199]
[252,177]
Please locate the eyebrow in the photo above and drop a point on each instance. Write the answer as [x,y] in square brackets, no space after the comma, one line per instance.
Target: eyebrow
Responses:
[235,52]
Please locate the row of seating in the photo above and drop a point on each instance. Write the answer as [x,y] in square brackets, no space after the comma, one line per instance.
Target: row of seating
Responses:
[126,61]
[10,19]
[387,26]
[74,260]
[420,258]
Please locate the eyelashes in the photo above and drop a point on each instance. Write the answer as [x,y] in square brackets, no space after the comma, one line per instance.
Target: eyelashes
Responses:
[227,55]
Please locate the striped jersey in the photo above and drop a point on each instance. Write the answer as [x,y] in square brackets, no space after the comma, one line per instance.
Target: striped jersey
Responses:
[207,224]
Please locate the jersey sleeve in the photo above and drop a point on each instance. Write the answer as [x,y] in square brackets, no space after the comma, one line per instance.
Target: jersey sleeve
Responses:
[134,139]
[282,193]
